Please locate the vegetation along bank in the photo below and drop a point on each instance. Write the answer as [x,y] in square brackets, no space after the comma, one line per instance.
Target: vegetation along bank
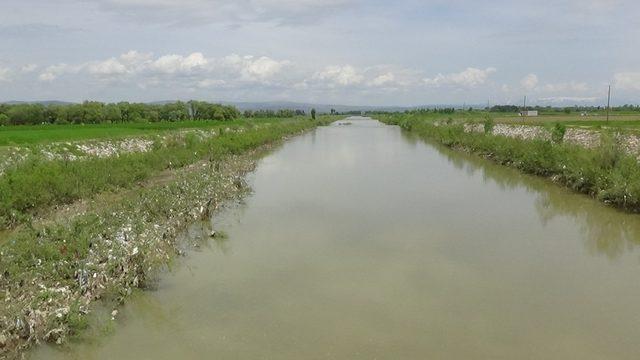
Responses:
[78,230]
[606,169]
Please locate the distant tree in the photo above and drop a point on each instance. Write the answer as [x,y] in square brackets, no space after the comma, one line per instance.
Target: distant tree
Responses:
[23,114]
[313,114]
[93,112]
[4,120]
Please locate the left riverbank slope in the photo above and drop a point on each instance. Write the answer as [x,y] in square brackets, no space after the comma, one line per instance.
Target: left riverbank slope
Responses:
[94,221]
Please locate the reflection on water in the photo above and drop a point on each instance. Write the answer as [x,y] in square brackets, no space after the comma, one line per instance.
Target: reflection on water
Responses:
[361,242]
[606,231]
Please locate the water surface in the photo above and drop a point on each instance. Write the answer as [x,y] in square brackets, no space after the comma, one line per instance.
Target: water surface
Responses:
[362,242]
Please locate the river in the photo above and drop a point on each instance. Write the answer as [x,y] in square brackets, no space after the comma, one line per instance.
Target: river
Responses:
[362,242]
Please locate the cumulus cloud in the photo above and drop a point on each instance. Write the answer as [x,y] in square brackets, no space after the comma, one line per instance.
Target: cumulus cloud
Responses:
[566,87]
[384,79]
[469,78]
[107,67]
[196,71]
[192,69]
[4,73]
[253,68]
[28,68]
[52,72]
[172,64]
[210,83]
[627,80]
[346,75]
[529,82]
[568,99]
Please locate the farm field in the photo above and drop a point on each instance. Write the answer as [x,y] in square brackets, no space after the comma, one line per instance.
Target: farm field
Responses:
[38,134]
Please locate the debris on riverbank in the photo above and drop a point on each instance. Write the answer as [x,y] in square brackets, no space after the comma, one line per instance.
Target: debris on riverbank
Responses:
[590,139]
[52,274]
[87,149]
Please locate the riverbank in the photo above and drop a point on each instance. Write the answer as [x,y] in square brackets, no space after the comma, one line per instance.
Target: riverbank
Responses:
[605,170]
[55,269]
[41,177]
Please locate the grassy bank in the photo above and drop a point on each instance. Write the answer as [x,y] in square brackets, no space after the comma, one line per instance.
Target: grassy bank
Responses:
[42,183]
[52,273]
[617,120]
[38,134]
[606,173]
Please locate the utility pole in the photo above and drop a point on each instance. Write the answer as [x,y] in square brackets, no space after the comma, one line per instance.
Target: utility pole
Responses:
[608,103]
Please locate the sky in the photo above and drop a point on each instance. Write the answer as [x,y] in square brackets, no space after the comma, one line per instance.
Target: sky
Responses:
[350,52]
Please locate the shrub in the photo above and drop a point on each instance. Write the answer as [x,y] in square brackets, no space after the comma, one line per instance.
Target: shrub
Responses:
[557,132]
[488,125]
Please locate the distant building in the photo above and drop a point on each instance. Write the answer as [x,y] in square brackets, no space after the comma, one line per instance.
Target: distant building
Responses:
[529,113]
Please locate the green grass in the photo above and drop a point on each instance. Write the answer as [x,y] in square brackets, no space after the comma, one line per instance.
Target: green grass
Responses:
[606,173]
[37,134]
[618,120]
[575,120]
[41,183]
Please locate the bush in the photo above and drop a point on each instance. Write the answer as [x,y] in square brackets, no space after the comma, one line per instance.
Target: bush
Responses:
[557,132]
[488,125]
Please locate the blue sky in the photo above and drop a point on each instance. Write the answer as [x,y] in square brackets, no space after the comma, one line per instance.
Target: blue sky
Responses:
[404,52]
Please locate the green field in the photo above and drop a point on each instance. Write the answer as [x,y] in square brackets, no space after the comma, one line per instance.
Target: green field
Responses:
[35,134]
[622,120]
[615,121]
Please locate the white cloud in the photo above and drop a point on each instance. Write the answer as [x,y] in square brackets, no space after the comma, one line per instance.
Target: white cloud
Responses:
[109,67]
[384,79]
[251,68]
[171,64]
[4,73]
[568,99]
[529,82]
[52,72]
[346,75]
[469,78]
[566,87]
[627,80]
[190,70]
[28,68]
[210,83]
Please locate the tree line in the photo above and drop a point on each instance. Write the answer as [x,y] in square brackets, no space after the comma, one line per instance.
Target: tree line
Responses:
[282,113]
[93,112]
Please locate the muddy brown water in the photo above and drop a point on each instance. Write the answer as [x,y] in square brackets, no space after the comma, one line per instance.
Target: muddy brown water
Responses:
[363,242]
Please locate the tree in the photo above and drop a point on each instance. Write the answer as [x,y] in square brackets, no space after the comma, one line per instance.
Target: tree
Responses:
[313,114]
[4,120]
[93,112]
